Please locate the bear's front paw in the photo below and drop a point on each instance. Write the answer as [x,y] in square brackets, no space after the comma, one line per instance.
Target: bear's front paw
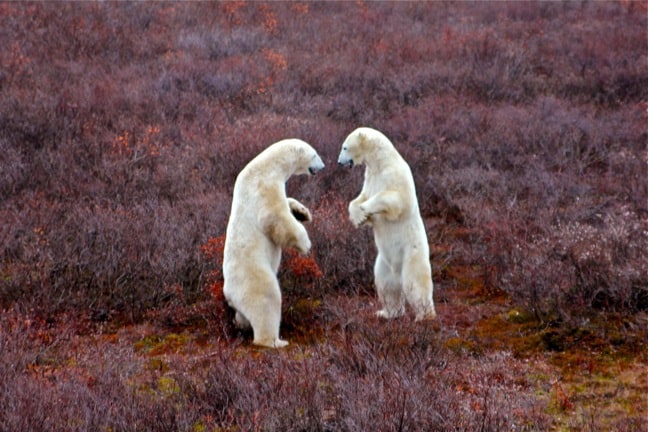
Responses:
[299,211]
[304,246]
[357,215]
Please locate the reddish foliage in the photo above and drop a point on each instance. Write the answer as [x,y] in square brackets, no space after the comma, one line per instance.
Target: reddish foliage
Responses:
[124,125]
[302,266]
[213,251]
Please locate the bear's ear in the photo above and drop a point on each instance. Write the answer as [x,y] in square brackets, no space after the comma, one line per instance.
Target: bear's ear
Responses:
[362,140]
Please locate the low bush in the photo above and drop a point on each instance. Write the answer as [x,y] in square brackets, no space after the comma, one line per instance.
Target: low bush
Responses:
[119,157]
[122,130]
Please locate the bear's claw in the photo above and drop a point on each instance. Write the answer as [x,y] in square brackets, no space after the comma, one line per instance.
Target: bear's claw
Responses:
[357,215]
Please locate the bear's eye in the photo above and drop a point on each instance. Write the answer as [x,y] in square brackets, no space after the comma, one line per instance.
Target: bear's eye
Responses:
[344,148]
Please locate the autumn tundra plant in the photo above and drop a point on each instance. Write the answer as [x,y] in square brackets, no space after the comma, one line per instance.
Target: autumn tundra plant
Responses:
[344,257]
[123,127]
[155,129]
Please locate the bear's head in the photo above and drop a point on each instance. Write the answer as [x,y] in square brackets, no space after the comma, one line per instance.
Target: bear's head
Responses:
[302,158]
[309,162]
[357,146]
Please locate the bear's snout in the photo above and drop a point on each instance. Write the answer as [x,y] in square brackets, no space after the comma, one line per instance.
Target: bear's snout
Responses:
[347,163]
[316,167]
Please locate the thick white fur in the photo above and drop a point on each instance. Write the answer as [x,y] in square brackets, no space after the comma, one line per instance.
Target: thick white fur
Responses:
[261,224]
[389,204]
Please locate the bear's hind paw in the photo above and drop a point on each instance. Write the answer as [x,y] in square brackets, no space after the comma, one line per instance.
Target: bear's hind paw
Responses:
[428,316]
[241,322]
[280,343]
[384,313]
[276,343]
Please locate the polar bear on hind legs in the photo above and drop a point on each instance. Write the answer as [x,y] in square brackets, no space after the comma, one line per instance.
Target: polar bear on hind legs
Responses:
[389,204]
[263,221]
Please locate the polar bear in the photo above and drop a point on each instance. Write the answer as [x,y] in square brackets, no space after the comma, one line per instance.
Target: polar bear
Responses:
[389,204]
[263,221]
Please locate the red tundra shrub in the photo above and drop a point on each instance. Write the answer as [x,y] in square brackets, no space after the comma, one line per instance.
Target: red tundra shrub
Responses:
[149,112]
[212,251]
[124,125]
[343,252]
[301,266]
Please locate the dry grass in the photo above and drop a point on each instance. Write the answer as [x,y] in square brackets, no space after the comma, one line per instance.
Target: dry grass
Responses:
[123,127]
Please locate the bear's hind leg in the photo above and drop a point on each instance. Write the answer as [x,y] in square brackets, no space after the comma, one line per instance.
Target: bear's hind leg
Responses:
[418,288]
[241,322]
[266,330]
[389,290]
[265,318]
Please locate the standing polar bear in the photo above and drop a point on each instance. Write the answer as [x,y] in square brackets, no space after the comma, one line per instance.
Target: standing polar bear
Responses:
[389,204]
[264,221]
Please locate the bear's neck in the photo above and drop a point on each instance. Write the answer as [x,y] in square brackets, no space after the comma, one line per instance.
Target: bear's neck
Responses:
[380,161]
[280,170]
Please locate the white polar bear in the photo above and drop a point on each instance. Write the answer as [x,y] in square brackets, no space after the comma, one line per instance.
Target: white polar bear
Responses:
[264,221]
[389,204]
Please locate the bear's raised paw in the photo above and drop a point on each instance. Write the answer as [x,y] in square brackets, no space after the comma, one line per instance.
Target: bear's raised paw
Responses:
[299,211]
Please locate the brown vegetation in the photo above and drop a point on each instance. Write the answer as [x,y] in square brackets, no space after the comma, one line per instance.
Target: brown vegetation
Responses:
[123,127]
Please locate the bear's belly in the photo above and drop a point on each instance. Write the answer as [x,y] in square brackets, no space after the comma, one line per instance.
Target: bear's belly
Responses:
[391,238]
[251,249]
[397,240]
